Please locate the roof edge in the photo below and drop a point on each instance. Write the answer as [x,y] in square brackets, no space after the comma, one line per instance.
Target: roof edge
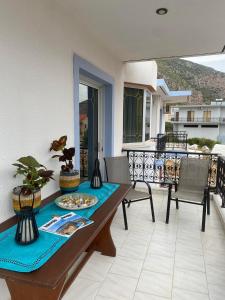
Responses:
[142,86]
[162,83]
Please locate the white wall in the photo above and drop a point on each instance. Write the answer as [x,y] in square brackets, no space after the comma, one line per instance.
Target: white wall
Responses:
[38,41]
[163,122]
[144,73]
[208,133]
[221,137]
[155,115]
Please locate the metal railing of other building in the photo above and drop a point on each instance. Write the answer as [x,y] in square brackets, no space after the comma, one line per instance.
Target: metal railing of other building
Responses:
[171,140]
[161,142]
[198,120]
[176,139]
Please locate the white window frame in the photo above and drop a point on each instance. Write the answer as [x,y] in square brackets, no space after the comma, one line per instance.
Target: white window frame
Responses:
[146,93]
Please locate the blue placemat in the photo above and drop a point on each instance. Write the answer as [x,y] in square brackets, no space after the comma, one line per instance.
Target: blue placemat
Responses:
[31,257]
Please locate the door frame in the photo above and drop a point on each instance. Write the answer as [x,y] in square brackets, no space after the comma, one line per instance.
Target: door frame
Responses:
[100,87]
[101,119]
[82,67]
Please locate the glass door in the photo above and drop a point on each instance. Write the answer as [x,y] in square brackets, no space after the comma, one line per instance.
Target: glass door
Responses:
[88,104]
[190,116]
[207,116]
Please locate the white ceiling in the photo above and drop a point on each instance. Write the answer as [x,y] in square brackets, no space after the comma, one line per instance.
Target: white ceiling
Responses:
[133,31]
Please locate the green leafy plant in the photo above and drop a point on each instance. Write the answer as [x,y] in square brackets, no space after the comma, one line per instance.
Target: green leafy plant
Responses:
[202,142]
[67,153]
[169,127]
[35,175]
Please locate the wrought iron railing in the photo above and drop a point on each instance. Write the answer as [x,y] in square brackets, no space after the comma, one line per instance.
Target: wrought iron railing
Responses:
[161,142]
[198,120]
[171,140]
[162,166]
[176,140]
[83,162]
[220,181]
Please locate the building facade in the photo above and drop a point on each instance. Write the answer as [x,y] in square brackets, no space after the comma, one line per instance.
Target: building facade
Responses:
[203,121]
[163,99]
[146,106]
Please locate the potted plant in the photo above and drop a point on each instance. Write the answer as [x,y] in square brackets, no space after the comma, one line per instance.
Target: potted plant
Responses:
[35,177]
[69,178]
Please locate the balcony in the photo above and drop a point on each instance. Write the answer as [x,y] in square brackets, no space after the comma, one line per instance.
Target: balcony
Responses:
[199,120]
[155,260]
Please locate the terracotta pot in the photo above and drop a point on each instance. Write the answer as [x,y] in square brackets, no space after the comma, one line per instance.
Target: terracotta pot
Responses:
[26,200]
[69,181]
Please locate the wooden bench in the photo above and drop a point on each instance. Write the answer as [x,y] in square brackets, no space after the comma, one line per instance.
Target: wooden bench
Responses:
[52,280]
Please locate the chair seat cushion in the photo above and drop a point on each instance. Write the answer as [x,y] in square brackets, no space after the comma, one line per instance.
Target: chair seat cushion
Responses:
[187,195]
[136,195]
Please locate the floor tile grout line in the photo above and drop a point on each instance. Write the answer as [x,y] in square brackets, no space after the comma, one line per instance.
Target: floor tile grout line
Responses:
[174,259]
[205,268]
[178,222]
[100,286]
[145,256]
[117,274]
[100,283]
[204,259]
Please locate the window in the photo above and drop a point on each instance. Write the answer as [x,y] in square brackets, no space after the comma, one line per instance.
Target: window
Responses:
[207,116]
[209,126]
[190,116]
[167,109]
[133,115]
[177,116]
[191,126]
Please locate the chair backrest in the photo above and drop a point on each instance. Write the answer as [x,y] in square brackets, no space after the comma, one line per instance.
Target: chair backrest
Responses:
[117,169]
[194,174]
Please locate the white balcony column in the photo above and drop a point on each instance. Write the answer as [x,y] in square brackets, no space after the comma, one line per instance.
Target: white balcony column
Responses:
[155,115]
[151,115]
[144,116]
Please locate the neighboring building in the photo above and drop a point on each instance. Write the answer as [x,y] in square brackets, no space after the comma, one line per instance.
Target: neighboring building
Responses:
[163,99]
[204,121]
[144,104]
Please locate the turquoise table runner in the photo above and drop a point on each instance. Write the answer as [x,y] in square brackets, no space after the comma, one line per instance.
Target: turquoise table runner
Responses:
[28,258]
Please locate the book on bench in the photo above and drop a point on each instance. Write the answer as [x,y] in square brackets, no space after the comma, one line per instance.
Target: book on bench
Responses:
[65,225]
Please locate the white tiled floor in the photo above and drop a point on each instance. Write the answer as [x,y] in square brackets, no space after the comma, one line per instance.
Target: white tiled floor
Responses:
[158,261]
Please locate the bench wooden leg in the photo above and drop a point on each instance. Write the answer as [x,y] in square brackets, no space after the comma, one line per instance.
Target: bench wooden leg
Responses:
[124,215]
[20,291]
[104,242]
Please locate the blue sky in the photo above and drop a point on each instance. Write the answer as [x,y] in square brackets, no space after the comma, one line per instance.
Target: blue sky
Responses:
[216,62]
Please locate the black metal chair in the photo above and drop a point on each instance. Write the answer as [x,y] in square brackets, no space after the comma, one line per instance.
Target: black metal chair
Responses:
[117,170]
[192,186]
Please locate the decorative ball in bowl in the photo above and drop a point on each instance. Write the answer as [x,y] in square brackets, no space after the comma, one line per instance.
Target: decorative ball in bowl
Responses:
[76,201]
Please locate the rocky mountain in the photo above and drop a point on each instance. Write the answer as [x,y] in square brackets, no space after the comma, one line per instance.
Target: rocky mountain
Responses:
[206,83]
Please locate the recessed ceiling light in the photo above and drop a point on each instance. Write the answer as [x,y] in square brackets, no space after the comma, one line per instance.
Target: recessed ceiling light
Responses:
[162,11]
